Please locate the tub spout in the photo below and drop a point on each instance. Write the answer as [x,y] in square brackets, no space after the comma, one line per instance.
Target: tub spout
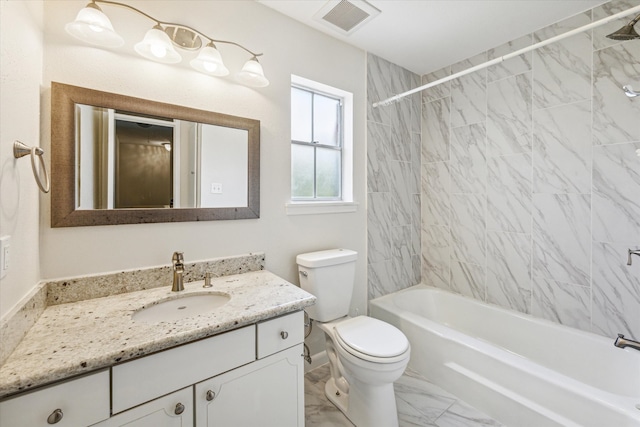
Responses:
[622,342]
[632,252]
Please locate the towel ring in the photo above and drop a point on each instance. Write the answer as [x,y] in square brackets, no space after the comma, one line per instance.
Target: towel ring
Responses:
[21,150]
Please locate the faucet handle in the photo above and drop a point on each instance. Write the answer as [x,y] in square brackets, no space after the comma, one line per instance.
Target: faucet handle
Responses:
[207,280]
[177,257]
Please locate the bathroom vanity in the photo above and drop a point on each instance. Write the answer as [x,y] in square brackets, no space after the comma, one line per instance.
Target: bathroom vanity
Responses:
[90,364]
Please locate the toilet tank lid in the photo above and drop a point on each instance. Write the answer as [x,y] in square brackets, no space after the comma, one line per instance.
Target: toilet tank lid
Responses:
[325,258]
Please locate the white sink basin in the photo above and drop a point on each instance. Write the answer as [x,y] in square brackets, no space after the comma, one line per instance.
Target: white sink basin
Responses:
[181,307]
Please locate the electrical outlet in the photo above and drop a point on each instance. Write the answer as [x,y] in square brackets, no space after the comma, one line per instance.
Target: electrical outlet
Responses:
[216,188]
[5,255]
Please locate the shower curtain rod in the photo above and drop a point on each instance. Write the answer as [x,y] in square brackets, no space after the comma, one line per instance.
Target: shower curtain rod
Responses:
[500,59]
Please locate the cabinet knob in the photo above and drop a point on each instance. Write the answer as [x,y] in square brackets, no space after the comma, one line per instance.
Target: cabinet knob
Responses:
[55,417]
[210,395]
[284,335]
[179,409]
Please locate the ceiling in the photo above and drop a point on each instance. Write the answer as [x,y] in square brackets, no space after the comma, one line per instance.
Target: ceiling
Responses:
[426,35]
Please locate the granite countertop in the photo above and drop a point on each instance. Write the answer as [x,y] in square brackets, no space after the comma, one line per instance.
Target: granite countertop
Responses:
[84,336]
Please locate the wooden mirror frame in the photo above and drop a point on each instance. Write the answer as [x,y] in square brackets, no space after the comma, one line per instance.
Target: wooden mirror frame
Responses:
[63,160]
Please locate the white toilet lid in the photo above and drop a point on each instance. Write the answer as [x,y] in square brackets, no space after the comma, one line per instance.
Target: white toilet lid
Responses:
[372,337]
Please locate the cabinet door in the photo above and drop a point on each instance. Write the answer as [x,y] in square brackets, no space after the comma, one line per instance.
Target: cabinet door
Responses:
[172,410]
[267,393]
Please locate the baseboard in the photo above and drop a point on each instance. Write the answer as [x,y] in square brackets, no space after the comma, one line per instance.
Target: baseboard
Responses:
[317,360]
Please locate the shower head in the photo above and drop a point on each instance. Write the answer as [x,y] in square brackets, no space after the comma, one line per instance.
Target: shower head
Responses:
[627,32]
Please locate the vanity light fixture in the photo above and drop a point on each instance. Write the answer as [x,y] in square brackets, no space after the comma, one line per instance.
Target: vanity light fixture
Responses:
[209,61]
[94,27]
[157,46]
[252,74]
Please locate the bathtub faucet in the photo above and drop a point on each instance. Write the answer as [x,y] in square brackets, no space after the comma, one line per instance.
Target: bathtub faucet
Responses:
[622,342]
[632,252]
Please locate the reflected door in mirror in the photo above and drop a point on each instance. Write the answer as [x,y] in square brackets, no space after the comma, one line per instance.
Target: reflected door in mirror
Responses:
[132,161]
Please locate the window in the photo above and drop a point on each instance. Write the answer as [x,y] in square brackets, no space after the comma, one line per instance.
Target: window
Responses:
[321,144]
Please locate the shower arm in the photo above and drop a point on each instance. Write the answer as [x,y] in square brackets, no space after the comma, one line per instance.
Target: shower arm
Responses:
[519,52]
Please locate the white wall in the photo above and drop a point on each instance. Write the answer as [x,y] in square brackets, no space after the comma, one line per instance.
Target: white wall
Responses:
[288,47]
[20,79]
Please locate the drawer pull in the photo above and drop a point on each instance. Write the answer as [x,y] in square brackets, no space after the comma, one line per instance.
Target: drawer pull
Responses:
[179,409]
[284,335]
[55,417]
[210,395]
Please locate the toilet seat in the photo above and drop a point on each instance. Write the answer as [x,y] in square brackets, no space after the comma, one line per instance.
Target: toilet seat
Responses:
[372,340]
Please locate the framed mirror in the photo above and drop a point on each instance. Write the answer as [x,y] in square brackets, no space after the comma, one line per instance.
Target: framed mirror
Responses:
[116,159]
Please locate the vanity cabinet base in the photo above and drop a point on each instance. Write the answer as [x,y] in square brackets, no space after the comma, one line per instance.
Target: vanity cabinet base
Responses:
[266,393]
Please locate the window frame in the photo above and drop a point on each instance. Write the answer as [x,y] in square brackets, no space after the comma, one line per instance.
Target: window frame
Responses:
[345,202]
[315,145]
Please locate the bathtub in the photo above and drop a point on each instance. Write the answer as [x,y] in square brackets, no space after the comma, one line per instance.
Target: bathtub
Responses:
[520,370]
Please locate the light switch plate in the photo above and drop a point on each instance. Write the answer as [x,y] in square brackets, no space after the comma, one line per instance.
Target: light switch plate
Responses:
[5,255]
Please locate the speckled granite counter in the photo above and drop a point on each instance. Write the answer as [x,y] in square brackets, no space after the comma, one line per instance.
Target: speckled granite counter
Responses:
[79,337]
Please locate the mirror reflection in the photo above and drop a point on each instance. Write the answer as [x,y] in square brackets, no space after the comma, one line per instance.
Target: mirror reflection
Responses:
[129,160]
[116,159]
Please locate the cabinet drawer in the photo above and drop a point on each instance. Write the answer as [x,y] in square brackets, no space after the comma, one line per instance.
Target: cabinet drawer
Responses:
[280,333]
[81,402]
[144,379]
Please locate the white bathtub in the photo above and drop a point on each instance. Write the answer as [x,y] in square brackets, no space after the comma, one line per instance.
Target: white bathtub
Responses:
[520,370]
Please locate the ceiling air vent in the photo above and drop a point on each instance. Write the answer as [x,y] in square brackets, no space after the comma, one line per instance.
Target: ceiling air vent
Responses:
[346,15]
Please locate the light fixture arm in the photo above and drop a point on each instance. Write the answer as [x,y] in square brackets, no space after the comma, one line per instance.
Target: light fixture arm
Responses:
[170,24]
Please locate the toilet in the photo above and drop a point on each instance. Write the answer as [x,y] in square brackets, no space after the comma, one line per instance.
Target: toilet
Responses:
[366,355]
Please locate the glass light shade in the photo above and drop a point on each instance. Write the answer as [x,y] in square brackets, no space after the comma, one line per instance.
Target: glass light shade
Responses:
[93,26]
[157,46]
[210,62]
[252,74]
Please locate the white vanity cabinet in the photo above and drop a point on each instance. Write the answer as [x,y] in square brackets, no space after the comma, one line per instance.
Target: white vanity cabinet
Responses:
[247,377]
[268,392]
[78,402]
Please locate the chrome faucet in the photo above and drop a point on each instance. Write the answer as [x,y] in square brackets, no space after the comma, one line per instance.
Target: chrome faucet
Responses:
[178,270]
[632,252]
[622,342]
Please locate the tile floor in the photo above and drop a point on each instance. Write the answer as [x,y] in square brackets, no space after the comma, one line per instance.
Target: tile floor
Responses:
[419,402]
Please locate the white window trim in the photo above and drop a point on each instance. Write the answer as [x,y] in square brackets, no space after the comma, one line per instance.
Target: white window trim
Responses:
[321,207]
[334,206]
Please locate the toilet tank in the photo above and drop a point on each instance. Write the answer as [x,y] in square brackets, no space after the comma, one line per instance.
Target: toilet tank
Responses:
[328,275]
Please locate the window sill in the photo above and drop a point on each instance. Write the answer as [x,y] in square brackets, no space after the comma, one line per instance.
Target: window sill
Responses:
[311,208]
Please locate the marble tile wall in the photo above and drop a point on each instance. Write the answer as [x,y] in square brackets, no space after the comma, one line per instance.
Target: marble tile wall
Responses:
[393,179]
[530,178]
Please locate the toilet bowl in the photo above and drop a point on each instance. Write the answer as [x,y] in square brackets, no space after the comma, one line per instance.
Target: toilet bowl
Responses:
[366,355]
[362,376]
